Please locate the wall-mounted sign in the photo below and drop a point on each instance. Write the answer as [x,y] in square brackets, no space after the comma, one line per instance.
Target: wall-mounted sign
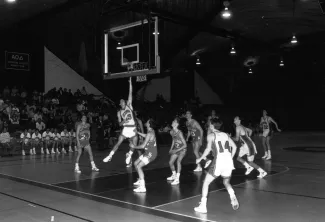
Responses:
[17,61]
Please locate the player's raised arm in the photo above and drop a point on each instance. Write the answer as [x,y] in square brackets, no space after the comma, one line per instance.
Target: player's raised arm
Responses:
[129,103]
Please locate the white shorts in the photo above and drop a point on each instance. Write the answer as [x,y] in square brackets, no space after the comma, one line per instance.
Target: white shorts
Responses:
[129,132]
[266,133]
[244,150]
[144,159]
[223,167]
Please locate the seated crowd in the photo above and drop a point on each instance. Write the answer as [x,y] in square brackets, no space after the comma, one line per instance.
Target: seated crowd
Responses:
[45,123]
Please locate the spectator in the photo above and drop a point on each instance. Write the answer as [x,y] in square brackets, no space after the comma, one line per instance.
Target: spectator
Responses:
[40,125]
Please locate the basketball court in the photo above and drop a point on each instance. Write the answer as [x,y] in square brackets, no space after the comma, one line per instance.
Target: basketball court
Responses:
[41,188]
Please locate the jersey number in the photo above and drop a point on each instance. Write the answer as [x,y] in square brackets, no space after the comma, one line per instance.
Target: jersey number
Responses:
[222,149]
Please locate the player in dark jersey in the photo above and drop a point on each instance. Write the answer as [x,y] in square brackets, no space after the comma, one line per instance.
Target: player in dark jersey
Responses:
[266,136]
[140,129]
[196,132]
[83,136]
[247,148]
[223,149]
[150,153]
[177,151]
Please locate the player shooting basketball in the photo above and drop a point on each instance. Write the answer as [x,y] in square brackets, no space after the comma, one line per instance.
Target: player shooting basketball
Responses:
[127,120]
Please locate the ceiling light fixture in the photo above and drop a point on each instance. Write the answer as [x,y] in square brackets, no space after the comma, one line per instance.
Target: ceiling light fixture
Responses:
[250,70]
[118,46]
[226,13]
[154,33]
[10,1]
[281,62]
[198,61]
[294,40]
[233,51]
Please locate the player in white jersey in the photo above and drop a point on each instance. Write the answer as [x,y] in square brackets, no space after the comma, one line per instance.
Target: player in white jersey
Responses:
[37,141]
[266,136]
[65,139]
[47,135]
[127,120]
[73,139]
[56,141]
[247,148]
[223,149]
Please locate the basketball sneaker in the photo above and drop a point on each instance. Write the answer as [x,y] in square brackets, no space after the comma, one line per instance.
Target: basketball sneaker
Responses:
[77,169]
[137,183]
[93,167]
[172,177]
[198,169]
[140,189]
[207,164]
[201,208]
[265,156]
[234,203]
[262,174]
[108,158]
[175,182]
[249,170]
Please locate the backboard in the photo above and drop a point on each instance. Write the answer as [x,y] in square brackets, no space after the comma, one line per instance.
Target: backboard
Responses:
[131,50]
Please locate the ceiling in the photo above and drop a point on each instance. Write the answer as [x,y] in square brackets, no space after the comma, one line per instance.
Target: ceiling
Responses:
[266,23]
[11,13]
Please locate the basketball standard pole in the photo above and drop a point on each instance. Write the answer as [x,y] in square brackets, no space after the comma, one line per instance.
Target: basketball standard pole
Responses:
[157,61]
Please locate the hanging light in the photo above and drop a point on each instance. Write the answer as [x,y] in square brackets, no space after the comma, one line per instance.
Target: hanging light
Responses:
[198,61]
[294,40]
[155,33]
[281,62]
[226,13]
[232,51]
[10,1]
[119,46]
[250,70]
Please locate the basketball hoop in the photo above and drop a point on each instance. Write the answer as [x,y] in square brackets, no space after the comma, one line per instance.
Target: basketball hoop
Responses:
[141,78]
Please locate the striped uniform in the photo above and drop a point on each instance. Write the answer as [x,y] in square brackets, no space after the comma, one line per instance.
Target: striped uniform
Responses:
[247,148]
[150,152]
[222,164]
[177,141]
[84,135]
[129,126]
[195,133]
[265,126]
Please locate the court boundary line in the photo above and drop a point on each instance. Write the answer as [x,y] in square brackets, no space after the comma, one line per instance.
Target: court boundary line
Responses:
[86,195]
[43,206]
[277,173]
